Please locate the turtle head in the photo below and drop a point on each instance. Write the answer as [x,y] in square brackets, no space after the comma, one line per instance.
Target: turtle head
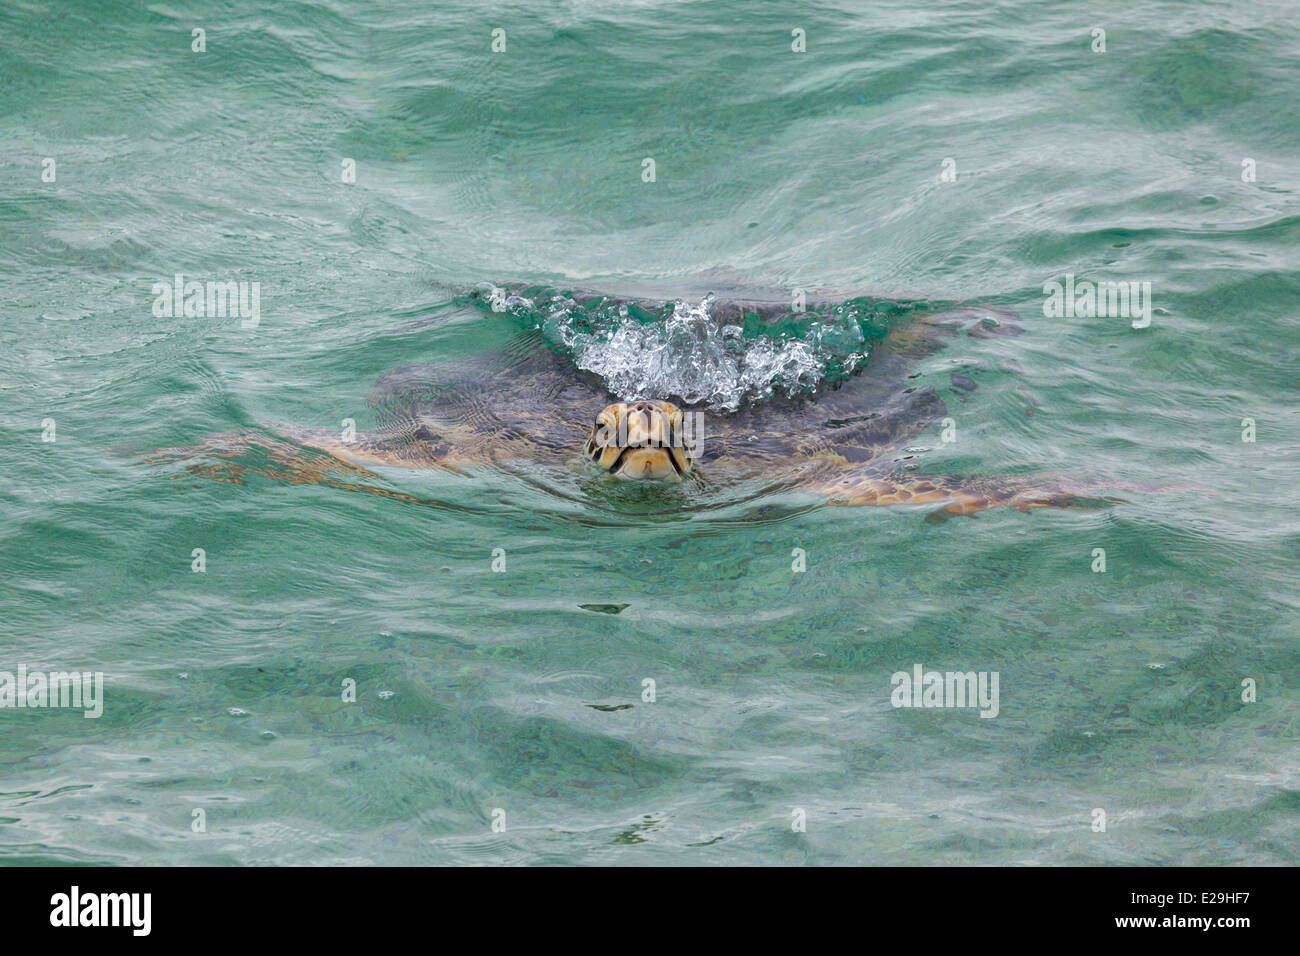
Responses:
[642,440]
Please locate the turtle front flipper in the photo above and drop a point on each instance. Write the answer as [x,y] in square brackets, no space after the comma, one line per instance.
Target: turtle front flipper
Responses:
[298,455]
[413,447]
[954,494]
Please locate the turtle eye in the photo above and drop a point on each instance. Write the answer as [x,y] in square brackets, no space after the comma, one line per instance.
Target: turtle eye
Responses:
[603,429]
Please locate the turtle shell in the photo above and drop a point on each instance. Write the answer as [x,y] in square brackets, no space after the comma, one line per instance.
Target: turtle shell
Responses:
[534,400]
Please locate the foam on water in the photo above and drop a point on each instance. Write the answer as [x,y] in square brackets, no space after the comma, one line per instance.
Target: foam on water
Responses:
[685,352]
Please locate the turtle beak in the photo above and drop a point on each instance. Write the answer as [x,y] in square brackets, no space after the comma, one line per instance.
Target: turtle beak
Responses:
[645,464]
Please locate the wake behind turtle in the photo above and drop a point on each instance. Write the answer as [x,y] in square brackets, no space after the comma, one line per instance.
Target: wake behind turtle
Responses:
[663,391]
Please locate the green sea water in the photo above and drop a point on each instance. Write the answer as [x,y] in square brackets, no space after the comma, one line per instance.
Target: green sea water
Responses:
[956,152]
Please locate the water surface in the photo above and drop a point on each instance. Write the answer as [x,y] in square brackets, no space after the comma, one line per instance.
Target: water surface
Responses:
[774,170]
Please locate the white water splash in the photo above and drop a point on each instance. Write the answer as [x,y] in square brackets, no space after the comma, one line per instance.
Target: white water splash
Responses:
[687,355]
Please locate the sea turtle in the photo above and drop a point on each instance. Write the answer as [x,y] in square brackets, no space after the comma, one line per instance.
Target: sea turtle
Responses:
[529,404]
